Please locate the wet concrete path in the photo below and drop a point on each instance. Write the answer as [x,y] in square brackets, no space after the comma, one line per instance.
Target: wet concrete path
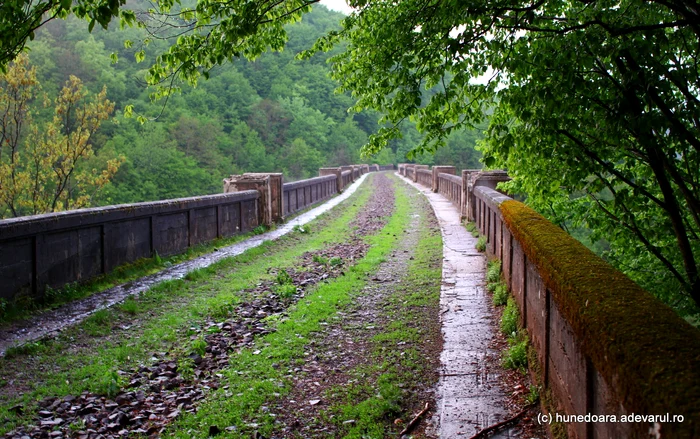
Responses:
[469,396]
[53,321]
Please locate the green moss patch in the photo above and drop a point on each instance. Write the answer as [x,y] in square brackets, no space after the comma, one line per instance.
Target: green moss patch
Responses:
[637,343]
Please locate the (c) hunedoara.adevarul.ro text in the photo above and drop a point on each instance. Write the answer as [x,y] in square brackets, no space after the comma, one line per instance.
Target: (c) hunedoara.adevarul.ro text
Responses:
[548,418]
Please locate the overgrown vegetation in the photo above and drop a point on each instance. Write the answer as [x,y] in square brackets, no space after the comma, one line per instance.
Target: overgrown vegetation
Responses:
[495,283]
[165,313]
[257,379]
[379,395]
[481,244]
[516,355]
[471,228]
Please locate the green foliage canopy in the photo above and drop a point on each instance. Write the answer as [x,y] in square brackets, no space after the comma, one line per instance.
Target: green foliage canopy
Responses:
[595,108]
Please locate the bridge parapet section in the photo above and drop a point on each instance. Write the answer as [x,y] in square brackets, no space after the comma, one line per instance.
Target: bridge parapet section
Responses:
[450,186]
[52,250]
[424,177]
[301,194]
[603,345]
[58,248]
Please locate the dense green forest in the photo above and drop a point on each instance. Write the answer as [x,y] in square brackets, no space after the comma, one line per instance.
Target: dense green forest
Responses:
[274,114]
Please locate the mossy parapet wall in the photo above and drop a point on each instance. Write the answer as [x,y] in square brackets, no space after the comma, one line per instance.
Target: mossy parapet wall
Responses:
[604,345]
[301,194]
[58,248]
[54,249]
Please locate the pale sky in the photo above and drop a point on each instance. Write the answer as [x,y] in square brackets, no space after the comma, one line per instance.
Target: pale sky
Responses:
[337,5]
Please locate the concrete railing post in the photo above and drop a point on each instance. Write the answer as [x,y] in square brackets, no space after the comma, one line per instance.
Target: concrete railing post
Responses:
[472,178]
[441,169]
[338,175]
[348,168]
[415,171]
[271,207]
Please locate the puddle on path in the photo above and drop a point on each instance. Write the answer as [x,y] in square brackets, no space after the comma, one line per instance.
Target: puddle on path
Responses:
[53,321]
[469,396]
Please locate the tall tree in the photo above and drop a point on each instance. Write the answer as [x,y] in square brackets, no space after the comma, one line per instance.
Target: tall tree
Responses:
[595,101]
[42,167]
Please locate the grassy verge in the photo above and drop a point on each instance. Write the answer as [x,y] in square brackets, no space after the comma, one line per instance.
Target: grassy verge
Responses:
[399,364]
[263,373]
[157,320]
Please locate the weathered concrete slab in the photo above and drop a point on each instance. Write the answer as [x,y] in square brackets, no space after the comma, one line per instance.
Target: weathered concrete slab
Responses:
[469,397]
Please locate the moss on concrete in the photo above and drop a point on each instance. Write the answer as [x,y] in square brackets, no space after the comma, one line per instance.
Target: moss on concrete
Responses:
[639,345]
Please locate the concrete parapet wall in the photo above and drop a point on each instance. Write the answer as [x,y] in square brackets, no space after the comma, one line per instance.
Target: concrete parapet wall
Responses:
[338,175]
[472,178]
[450,186]
[604,346]
[304,193]
[415,171]
[424,177]
[346,177]
[437,170]
[271,209]
[54,249]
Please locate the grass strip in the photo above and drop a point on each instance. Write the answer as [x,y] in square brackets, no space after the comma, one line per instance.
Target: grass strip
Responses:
[262,374]
[384,390]
[165,311]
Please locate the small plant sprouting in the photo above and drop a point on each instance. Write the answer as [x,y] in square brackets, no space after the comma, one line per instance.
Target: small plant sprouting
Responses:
[110,384]
[301,229]
[493,272]
[533,396]
[185,366]
[130,306]
[259,230]
[76,426]
[285,291]
[515,357]
[199,346]
[500,294]
[283,278]
[481,244]
[335,262]
[320,259]
[510,318]
[471,228]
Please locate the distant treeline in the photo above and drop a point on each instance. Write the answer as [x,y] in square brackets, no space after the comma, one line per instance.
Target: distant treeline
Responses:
[275,114]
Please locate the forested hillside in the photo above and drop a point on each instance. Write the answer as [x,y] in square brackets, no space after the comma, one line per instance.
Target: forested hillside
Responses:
[274,114]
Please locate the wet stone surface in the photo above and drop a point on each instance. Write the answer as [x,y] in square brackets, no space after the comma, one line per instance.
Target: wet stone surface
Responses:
[51,322]
[470,395]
